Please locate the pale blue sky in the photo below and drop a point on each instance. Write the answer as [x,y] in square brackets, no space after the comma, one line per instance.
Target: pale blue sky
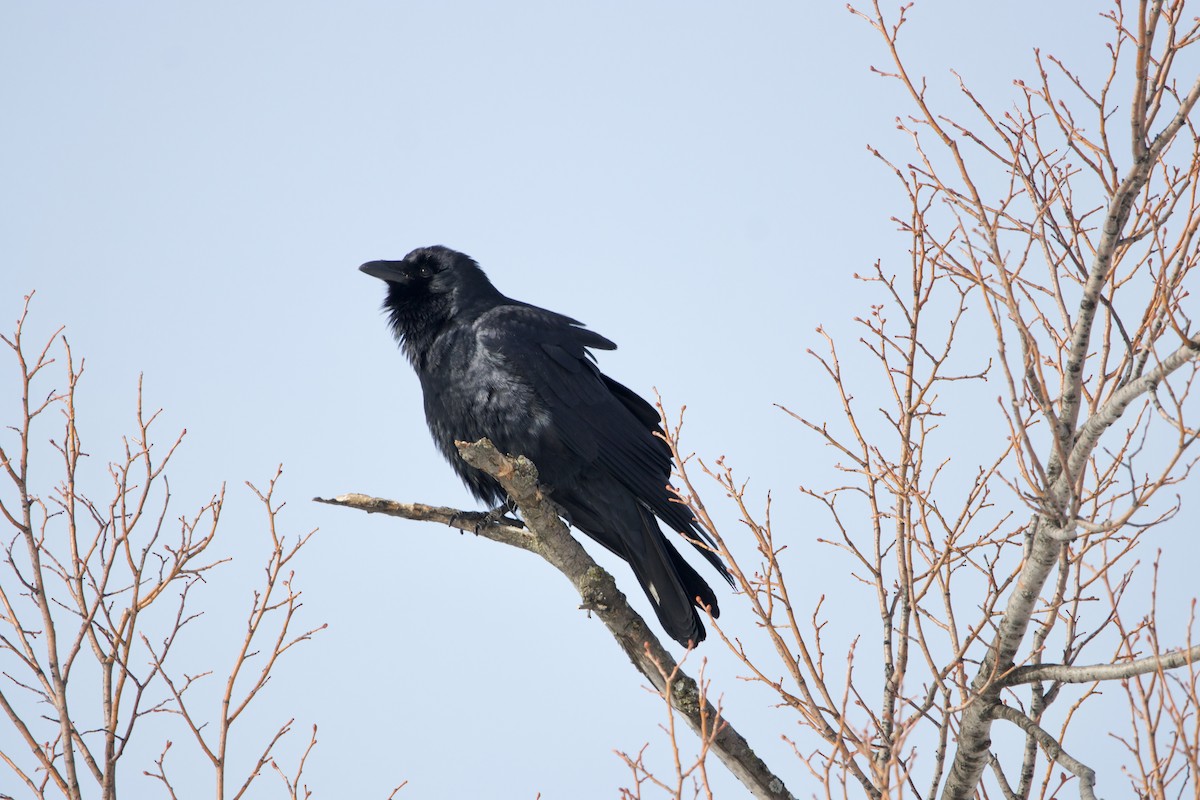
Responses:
[190,188]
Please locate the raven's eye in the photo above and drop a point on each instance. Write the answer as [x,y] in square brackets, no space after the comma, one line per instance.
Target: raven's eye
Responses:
[422,268]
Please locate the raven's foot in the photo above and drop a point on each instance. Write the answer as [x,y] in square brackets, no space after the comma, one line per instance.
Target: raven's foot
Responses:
[503,514]
[490,518]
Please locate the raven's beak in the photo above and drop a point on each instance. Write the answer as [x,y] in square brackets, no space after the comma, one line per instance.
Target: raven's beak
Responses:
[384,270]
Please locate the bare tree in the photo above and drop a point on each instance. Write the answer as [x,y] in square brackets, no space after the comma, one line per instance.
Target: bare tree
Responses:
[1051,249]
[1027,224]
[86,584]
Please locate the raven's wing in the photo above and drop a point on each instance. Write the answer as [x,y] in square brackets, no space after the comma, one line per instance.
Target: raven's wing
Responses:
[592,441]
[592,418]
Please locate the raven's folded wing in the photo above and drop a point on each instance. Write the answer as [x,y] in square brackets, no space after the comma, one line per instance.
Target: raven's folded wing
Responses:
[594,419]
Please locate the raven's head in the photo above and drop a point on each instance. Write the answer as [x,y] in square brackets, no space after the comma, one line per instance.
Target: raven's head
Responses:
[428,288]
[426,270]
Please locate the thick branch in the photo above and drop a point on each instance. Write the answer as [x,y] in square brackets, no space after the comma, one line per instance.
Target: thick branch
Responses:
[1086,775]
[974,741]
[547,536]
[1064,673]
[1119,207]
[1091,431]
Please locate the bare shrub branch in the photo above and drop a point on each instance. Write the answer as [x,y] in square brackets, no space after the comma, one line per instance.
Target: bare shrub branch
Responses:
[82,658]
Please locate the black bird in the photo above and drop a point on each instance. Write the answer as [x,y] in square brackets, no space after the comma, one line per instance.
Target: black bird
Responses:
[524,377]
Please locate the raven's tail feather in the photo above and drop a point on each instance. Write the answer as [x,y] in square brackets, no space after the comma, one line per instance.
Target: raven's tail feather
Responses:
[671,584]
[631,530]
[693,584]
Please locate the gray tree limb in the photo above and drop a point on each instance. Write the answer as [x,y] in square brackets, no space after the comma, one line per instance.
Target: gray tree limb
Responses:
[1119,208]
[1086,775]
[1064,673]
[547,536]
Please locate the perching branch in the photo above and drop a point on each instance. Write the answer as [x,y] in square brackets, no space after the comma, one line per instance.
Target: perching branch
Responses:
[547,536]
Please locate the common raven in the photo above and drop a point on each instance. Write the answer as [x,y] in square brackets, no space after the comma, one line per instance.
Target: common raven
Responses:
[524,377]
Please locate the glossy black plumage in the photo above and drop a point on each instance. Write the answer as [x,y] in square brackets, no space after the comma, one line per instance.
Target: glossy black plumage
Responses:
[525,378]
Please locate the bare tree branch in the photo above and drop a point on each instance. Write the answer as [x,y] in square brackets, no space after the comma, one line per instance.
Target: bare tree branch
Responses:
[1064,673]
[548,537]
[1086,775]
[79,577]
